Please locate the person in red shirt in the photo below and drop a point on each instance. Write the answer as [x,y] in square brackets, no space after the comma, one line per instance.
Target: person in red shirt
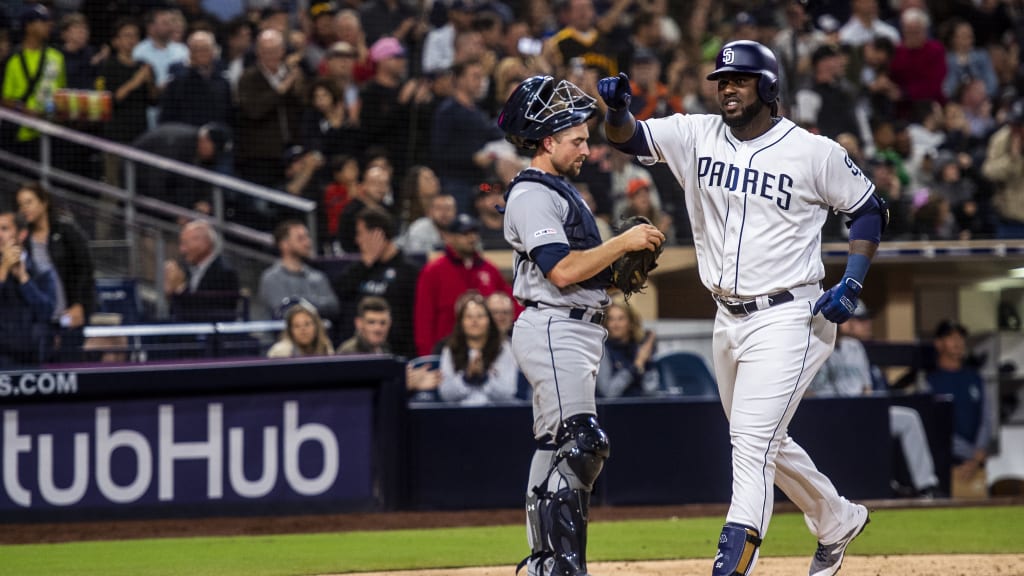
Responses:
[447,277]
[918,65]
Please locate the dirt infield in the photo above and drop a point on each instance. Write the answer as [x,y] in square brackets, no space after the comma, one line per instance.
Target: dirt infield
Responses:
[947,565]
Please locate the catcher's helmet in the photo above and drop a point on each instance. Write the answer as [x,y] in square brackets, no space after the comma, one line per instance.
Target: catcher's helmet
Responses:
[541,106]
[750,57]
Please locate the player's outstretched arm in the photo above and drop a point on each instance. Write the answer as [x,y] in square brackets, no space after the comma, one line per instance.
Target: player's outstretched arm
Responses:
[580,265]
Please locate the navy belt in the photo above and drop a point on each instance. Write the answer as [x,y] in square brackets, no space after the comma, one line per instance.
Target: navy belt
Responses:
[749,307]
[595,316]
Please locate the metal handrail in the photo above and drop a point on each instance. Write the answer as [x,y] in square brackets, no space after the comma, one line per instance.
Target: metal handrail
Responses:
[135,155]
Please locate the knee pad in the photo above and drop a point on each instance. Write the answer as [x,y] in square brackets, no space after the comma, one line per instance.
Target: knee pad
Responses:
[582,448]
[737,550]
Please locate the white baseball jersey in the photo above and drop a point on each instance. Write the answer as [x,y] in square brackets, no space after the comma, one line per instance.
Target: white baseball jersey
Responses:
[757,206]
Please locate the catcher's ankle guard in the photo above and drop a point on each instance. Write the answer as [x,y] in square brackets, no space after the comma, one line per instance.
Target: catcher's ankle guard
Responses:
[737,550]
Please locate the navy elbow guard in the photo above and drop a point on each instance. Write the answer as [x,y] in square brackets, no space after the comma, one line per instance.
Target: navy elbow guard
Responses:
[870,221]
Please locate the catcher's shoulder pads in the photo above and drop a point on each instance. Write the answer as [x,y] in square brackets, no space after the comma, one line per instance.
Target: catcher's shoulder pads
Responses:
[580,226]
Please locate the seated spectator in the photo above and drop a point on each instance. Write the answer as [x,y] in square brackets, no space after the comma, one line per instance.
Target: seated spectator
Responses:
[381,270]
[291,277]
[503,312]
[489,206]
[477,366]
[375,188]
[1002,167]
[327,125]
[918,64]
[27,297]
[448,277]
[301,168]
[639,203]
[828,103]
[627,367]
[425,233]
[848,373]
[57,244]
[373,322]
[197,93]
[339,67]
[343,186]
[972,419]
[201,286]
[965,61]
[304,334]
[419,187]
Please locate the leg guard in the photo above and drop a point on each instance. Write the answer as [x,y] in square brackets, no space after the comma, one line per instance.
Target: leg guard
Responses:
[557,507]
[737,550]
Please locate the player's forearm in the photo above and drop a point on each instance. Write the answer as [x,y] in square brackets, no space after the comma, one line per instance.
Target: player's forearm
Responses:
[619,130]
[580,265]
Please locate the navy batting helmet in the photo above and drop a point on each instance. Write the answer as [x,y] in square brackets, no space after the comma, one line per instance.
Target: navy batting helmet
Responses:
[749,57]
[541,106]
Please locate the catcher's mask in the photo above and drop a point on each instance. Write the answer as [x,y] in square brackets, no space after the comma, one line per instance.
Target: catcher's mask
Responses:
[540,107]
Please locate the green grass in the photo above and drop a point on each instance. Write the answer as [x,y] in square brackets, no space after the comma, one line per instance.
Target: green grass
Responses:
[931,531]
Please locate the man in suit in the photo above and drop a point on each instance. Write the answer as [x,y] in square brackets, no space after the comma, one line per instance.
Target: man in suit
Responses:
[201,286]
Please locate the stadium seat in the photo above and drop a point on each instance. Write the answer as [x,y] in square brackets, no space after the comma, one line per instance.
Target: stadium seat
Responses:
[685,374]
[120,296]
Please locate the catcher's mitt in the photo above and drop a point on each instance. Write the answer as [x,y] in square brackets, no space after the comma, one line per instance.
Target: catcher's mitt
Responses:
[629,273]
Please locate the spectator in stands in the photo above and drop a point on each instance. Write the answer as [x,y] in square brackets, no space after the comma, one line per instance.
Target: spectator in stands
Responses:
[201,285]
[32,75]
[304,333]
[864,25]
[350,29]
[627,367]
[448,277]
[425,234]
[200,146]
[918,64]
[879,93]
[382,18]
[80,59]
[323,32]
[131,83]
[302,172]
[794,44]
[965,61]
[489,206]
[1004,166]
[239,50]
[582,39]
[373,323]
[638,203]
[477,366]
[337,193]
[972,417]
[197,92]
[376,186]
[959,190]
[381,270]
[419,187]
[270,96]
[848,373]
[651,98]
[196,18]
[439,44]
[159,50]
[57,244]
[339,67]
[290,276]
[327,125]
[828,104]
[503,312]
[387,99]
[27,297]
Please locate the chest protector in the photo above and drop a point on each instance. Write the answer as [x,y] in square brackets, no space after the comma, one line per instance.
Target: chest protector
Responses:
[580,226]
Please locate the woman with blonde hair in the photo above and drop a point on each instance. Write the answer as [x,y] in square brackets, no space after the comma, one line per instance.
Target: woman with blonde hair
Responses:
[304,333]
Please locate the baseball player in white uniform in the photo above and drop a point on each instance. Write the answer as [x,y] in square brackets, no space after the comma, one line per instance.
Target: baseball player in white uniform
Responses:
[758,189]
[561,277]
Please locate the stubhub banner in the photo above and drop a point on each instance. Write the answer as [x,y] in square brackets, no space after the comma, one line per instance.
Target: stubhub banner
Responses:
[261,448]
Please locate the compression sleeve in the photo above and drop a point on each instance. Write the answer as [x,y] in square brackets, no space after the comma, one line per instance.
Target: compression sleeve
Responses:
[547,256]
[636,145]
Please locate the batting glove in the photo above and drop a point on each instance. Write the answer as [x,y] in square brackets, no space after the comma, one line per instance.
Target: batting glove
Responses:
[839,302]
[615,91]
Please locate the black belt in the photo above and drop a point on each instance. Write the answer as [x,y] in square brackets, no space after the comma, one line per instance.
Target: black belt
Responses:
[596,317]
[750,306]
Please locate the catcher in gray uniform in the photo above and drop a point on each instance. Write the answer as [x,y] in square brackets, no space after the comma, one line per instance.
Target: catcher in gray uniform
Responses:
[562,273]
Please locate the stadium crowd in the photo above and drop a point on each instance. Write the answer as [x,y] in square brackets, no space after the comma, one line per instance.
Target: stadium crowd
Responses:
[383,113]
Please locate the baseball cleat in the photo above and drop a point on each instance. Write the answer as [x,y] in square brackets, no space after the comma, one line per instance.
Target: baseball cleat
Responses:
[829,557]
